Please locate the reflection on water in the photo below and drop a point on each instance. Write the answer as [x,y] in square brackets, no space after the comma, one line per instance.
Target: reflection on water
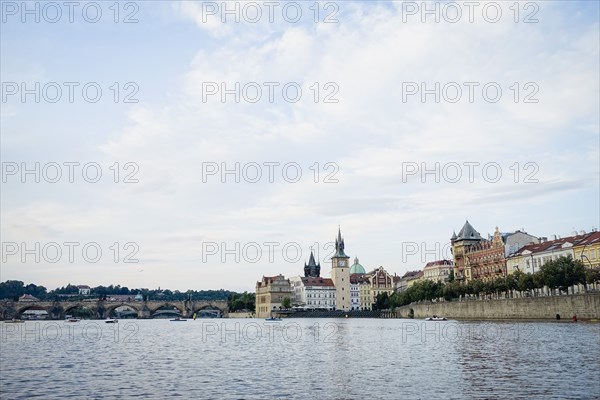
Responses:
[308,359]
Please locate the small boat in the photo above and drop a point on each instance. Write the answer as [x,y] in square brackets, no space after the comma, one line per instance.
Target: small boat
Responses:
[272,319]
[14,321]
[436,318]
[177,319]
[72,319]
[111,321]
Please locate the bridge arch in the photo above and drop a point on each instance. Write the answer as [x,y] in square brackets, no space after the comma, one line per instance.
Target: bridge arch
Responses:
[209,311]
[166,309]
[108,310]
[90,306]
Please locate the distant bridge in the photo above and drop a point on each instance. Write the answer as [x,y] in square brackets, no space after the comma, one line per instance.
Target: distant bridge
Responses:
[104,309]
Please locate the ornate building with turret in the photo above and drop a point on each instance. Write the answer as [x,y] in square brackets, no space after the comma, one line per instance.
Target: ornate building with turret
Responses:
[476,257]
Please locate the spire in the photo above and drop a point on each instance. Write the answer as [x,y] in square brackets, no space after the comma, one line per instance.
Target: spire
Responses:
[355,260]
[339,245]
[312,268]
[311,261]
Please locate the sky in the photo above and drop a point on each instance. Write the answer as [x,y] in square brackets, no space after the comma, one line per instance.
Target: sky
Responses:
[203,145]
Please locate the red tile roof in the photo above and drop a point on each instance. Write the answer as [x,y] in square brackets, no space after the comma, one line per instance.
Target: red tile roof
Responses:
[432,264]
[578,240]
[314,281]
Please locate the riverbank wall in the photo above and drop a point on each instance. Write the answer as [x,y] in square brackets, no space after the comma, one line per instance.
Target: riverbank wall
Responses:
[585,306]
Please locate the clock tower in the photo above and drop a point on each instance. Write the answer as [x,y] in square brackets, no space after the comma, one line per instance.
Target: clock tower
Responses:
[340,274]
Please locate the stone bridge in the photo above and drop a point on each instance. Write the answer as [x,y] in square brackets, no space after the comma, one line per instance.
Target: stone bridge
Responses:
[103,309]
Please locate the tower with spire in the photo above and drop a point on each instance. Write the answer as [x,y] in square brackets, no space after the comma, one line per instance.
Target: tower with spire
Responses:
[312,269]
[340,274]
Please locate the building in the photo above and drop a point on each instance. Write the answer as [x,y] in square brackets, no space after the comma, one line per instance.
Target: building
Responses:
[313,292]
[408,279]
[381,282]
[476,257]
[360,287]
[437,271]
[357,277]
[466,237]
[84,290]
[373,284]
[312,268]
[588,250]
[340,274]
[530,258]
[514,241]
[28,297]
[270,294]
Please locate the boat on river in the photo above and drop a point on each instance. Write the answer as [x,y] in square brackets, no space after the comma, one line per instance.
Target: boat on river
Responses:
[111,321]
[436,318]
[14,321]
[178,319]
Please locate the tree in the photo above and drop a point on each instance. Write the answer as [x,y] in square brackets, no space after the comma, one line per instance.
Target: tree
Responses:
[287,303]
[451,276]
[592,275]
[11,289]
[382,302]
[562,273]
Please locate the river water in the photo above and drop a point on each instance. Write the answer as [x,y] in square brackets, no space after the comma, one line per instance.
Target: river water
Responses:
[300,359]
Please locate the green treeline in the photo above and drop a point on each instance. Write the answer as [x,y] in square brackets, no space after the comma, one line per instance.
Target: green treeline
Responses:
[14,289]
[561,274]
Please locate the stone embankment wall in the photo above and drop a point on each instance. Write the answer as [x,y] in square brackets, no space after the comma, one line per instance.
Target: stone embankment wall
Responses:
[585,306]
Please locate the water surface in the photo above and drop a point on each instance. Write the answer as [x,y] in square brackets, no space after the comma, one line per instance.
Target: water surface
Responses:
[300,359]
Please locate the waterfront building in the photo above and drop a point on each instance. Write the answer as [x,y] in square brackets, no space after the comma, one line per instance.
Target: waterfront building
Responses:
[373,284]
[357,277]
[340,274]
[359,291]
[381,282]
[514,241]
[588,250]
[530,258]
[437,271]
[408,279]
[270,294]
[476,257]
[313,292]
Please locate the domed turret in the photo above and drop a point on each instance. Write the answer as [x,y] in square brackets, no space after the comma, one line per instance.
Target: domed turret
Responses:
[356,268]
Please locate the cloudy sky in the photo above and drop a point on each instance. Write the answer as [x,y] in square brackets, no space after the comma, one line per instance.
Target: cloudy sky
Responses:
[403,127]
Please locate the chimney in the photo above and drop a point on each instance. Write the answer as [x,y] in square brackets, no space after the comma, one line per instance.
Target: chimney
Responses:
[582,232]
[552,237]
[543,239]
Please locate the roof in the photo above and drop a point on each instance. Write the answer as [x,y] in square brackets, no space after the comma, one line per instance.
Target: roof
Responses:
[589,239]
[468,233]
[270,279]
[339,246]
[438,263]
[315,281]
[359,278]
[550,245]
[28,297]
[356,268]
[412,275]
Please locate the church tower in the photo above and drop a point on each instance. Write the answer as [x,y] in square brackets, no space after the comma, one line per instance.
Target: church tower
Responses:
[340,274]
[312,268]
